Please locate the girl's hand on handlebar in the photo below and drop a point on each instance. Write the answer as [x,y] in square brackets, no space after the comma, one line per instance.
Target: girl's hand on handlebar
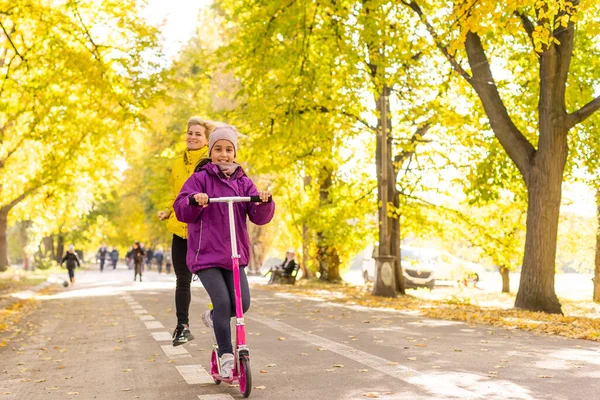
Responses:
[264,196]
[201,199]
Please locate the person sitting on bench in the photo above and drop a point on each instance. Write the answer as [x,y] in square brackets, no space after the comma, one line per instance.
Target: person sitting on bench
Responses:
[286,268]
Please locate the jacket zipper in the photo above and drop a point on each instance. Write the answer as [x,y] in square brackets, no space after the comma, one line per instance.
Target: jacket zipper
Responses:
[199,242]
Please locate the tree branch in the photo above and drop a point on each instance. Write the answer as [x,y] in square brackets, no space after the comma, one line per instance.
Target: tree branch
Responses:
[527,25]
[419,133]
[10,153]
[11,43]
[518,148]
[444,49]
[583,113]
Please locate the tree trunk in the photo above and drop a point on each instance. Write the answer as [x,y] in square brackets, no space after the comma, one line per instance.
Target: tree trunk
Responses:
[396,238]
[48,242]
[327,256]
[597,263]
[305,241]
[544,181]
[3,239]
[505,274]
[60,247]
[389,238]
[257,254]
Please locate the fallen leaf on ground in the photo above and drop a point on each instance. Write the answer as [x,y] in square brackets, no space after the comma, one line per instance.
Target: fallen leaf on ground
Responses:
[363,370]
[372,395]
[260,387]
[125,390]
[544,376]
[392,363]
[303,354]
[280,338]
[329,369]
[421,345]
[338,365]
[411,358]
[127,370]
[73,393]
[40,380]
[270,365]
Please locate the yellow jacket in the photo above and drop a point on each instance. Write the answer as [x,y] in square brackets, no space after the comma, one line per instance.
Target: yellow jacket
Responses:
[183,168]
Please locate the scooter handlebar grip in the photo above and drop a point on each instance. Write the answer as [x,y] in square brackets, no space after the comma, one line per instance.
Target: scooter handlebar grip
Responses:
[256,199]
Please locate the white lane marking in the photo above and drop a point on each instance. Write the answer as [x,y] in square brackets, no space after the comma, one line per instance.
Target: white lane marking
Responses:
[146,318]
[175,352]
[138,312]
[161,336]
[430,383]
[215,397]
[154,325]
[194,374]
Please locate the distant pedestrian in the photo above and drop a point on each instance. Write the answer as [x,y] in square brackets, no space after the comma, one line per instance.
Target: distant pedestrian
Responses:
[137,253]
[168,260]
[72,262]
[101,256]
[159,256]
[129,258]
[149,256]
[114,257]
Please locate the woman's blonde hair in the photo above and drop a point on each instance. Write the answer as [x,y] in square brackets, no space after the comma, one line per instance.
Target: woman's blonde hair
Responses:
[208,125]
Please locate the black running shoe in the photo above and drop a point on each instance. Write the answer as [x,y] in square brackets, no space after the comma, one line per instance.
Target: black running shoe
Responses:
[182,335]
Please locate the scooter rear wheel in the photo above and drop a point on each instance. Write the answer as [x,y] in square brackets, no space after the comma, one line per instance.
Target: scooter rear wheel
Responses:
[245,376]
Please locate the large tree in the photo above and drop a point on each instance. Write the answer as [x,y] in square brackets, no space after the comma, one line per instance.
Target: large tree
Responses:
[529,36]
[73,78]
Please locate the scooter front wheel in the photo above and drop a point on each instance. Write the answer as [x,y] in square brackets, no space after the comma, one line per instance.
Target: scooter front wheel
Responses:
[245,376]
[214,366]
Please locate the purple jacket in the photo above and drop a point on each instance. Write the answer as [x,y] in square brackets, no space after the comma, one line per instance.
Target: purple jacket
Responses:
[209,241]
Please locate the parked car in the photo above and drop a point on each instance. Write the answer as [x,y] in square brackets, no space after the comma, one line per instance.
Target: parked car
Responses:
[422,267]
[418,270]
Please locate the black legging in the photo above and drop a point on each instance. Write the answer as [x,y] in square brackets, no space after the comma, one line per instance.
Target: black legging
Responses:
[184,280]
[218,282]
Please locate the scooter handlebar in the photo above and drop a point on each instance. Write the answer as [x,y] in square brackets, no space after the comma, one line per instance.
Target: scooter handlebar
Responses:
[252,199]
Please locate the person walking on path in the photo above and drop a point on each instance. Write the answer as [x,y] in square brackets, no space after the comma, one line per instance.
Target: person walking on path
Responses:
[159,256]
[198,131]
[137,253]
[129,258]
[168,260]
[72,262]
[101,256]
[149,257]
[114,257]
[209,251]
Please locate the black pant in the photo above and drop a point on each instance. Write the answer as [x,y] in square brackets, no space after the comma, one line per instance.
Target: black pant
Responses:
[101,265]
[71,274]
[218,282]
[183,295]
[114,263]
[139,266]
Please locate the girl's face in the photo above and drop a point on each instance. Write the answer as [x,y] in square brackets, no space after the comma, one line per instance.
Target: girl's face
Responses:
[196,137]
[222,151]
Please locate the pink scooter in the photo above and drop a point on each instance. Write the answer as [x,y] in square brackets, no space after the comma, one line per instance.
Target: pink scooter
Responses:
[241,372]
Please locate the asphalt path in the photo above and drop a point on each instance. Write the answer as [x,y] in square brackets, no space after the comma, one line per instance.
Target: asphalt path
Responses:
[110,338]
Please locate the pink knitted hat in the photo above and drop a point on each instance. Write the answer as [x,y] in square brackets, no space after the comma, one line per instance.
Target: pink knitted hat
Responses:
[226,132]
